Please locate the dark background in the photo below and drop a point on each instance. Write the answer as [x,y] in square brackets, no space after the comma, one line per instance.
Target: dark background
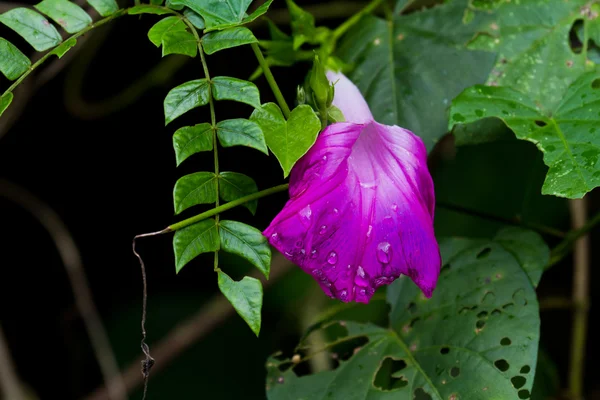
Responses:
[109,174]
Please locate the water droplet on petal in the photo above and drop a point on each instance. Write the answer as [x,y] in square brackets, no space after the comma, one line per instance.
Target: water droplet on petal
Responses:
[324,158]
[303,252]
[362,292]
[384,252]
[369,230]
[323,229]
[275,237]
[306,212]
[360,271]
[394,207]
[299,243]
[332,258]
[343,295]
[335,211]
[313,254]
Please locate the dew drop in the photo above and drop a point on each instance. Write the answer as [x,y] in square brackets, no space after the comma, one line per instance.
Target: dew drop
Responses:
[343,295]
[313,254]
[332,258]
[299,243]
[303,252]
[323,229]
[360,271]
[306,212]
[369,230]
[335,211]
[394,207]
[275,237]
[362,292]
[384,252]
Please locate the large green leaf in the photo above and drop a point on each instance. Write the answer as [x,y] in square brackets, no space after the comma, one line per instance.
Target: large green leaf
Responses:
[226,39]
[566,134]
[179,42]
[247,242]
[185,97]
[223,14]
[195,18]
[410,68]
[13,63]
[227,88]
[245,296]
[5,101]
[193,189]
[167,24]
[232,186]
[67,14]
[33,27]
[190,242]
[288,140]
[191,140]
[241,132]
[476,338]
[104,7]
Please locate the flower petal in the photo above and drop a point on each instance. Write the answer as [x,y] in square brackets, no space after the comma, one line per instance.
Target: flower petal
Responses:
[360,212]
[349,99]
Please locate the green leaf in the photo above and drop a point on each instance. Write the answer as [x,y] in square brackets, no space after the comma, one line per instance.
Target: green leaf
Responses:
[33,27]
[405,85]
[565,134]
[13,63]
[195,18]
[69,15]
[245,296]
[260,10]
[226,88]
[65,46]
[226,39]
[147,9]
[288,140]
[218,14]
[179,42]
[167,24]
[104,7]
[401,5]
[194,189]
[190,242]
[303,26]
[473,339]
[241,132]
[5,101]
[185,97]
[232,186]
[247,242]
[533,46]
[191,140]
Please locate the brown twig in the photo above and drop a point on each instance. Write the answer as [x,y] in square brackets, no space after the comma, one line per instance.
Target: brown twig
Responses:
[69,254]
[581,265]
[10,384]
[188,332]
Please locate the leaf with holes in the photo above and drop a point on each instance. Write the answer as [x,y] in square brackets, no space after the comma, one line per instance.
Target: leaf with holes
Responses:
[179,42]
[32,27]
[245,296]
[185,97]
[68,15]
[191,140]
[241,132]
[194,189]
[226,39]
[566,133]
[288,140]
[168,24]
[13,63]
[5,101]
[104,7]
[232,186]
[196,239]
[247,242]
[226,88]
[407,86]
[476,338]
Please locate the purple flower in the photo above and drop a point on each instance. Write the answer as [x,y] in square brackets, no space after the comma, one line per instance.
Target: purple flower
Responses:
[361,206]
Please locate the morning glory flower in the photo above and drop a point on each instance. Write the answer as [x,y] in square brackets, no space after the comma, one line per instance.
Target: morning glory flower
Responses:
[361,206]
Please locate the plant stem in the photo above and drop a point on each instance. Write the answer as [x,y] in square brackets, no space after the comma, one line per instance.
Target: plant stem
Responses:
[228,206]
[509,221]
[271,79]
[581,273]
[350,22]
[50,53]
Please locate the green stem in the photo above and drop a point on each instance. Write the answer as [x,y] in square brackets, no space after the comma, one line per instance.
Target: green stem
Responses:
[51,53]
[271,79]
[350,22]
[564,247]
[509,221]
[228,206]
